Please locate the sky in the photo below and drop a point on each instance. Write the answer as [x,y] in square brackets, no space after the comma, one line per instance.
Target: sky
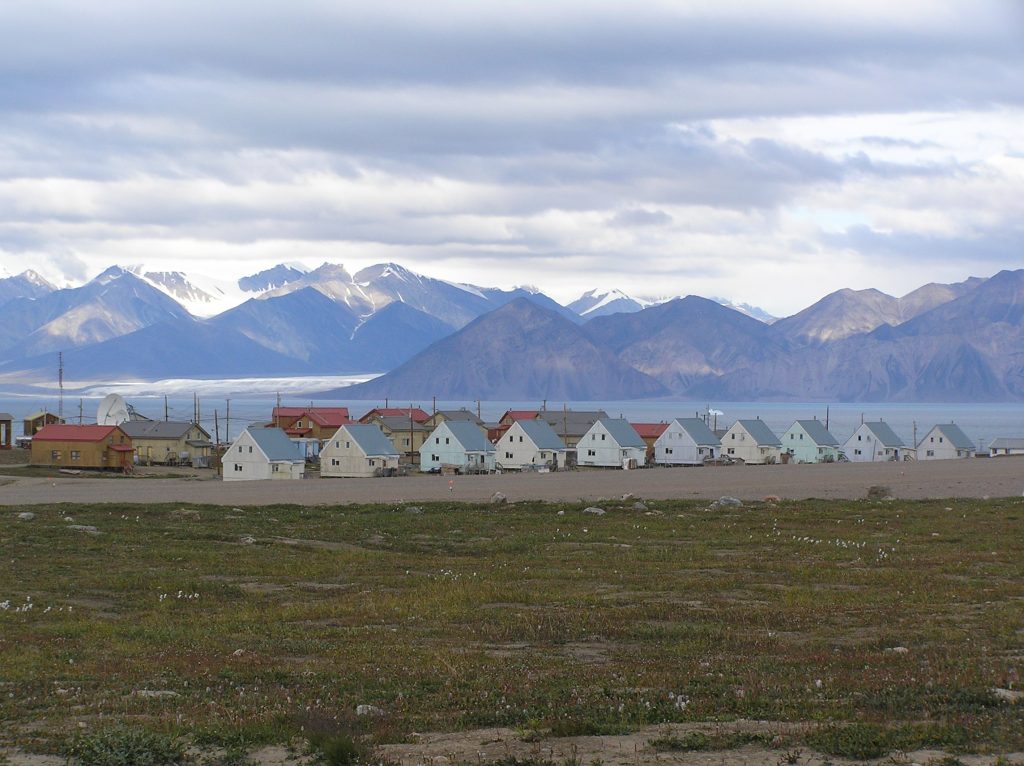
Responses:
[765,152]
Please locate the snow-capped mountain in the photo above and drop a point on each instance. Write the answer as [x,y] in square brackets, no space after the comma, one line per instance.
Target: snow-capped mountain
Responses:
[268,279]
[200,295]
[28,284]
[755,312]
[594,303]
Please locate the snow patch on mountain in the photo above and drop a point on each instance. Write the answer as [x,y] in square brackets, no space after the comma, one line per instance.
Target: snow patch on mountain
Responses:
[594,304]
[755,312]
[200,295]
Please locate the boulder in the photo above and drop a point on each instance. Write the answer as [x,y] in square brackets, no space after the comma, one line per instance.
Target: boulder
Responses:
[879,492]
[498,498]
[638,506]
[89,530]
[369,710]
[26,516]
[413,509]
[594,510]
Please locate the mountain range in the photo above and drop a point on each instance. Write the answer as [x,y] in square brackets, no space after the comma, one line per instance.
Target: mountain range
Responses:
[941,342]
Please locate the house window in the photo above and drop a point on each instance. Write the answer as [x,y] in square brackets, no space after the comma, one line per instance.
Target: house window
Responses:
[543,455]
[508,455]
[372,462]
[239,447]
[55,454]
[733,436]
[405,442]
[447,440]
[602,437]
[511,438]
[76,455]
[859,437]
[668,451]
[337,445]
[437,440]
[930,453]
[940,440]
[348,445]
[435,458]
[792,436]
[238,467]
[801,437]
[250,450]
[274,467]
[732,450]
[856,452]
[334,461]
[591,453]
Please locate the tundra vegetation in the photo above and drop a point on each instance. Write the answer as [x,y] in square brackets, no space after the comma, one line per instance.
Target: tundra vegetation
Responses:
[857,629]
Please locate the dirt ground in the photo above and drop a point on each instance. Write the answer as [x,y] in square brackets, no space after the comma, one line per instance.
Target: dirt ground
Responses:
[980,477]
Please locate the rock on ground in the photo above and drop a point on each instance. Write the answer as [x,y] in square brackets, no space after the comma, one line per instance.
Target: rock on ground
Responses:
[26,516]
[594,510]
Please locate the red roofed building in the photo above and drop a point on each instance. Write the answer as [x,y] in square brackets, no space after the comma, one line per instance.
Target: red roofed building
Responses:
[418,415]
[511,416]
[318,423]
[650,432]
[68,446]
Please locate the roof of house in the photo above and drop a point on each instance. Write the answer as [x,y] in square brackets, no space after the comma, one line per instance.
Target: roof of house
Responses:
[394,423]
[418,415]
[60,432]
[322,416]
[956,436]
[541,434]
[884,434]
[650,430]
[37,415]
[276,445]
[572,422]
[818,433]
[158,429]
[1007,442]
[761,433]
[622,432]
[469,436]
[6,416]
[370,438]
[699,431]
[520,415]
[462,414]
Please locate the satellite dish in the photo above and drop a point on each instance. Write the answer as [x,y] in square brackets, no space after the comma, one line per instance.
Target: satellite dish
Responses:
[113,411]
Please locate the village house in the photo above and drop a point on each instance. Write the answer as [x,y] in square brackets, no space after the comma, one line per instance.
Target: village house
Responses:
[686,441]
[407,436]
[38,420]
[946,441]
[611,443]
[169,442]
[1006,445]
[263,453]
[70,446]
[531,444]
[309,427]
[457,445]
[358,450]
[650,432]
[808,441]
[873,442]
[753,442]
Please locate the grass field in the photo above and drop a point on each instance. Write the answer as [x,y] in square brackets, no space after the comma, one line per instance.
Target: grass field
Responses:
[876,626]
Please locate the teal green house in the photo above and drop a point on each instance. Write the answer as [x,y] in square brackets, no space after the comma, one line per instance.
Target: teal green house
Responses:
[808,441]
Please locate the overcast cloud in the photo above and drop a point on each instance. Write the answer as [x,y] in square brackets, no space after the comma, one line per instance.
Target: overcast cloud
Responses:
[768,152]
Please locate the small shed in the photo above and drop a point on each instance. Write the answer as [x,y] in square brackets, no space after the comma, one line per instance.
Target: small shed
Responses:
[1006,445]
[358,449]
[39,420]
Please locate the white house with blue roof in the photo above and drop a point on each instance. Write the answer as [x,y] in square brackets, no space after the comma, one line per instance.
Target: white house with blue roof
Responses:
[611,443]
[530,444]
[459,445]
[358,450]
[753,442]
[946,441]
[686,441]
[874,442]
[263,453]
[809,441]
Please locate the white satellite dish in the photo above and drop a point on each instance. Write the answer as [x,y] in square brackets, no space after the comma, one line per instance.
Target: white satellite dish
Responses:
[113,411]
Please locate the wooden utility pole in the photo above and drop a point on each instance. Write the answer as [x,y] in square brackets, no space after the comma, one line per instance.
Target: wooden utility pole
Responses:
[227,422]
[411,437]
[166,418]
[216,429]
[79,412]
[277,411]
[60,385]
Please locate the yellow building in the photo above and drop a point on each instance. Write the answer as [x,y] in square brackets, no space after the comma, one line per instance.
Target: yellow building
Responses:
[169,442]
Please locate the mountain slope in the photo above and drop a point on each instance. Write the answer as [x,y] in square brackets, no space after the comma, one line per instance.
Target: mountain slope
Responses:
[392,336]
[28,284]
[595,304]
[685,340]
[113,304]
[517,351]
[839,315]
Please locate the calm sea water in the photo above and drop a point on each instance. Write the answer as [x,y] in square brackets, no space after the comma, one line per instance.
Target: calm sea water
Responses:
[982,422]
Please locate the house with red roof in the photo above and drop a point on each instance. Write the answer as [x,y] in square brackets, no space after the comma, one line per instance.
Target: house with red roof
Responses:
[650,432]
[71,446]
[320,423]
